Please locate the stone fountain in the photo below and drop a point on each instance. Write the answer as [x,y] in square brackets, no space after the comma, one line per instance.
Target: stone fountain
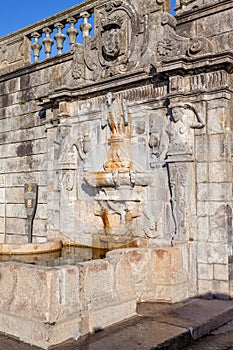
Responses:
[123,143]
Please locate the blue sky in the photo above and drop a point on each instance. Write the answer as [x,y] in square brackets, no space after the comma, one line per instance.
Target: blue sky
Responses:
[16,14]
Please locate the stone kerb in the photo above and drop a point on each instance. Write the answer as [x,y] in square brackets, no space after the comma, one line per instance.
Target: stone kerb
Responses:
[46,306]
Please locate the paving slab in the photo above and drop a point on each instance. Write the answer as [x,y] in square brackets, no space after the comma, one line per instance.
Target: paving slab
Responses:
[158,326]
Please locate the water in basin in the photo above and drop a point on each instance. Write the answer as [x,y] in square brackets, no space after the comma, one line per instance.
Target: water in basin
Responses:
[68,255]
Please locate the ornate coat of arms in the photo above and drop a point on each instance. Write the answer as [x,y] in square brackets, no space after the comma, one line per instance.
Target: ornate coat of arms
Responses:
[118,43]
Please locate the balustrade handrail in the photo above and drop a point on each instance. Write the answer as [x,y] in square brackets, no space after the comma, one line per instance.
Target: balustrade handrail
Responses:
[49,21]
[35,36]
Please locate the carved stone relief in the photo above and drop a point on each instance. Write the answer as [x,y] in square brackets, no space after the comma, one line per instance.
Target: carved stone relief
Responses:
[180,155]
[123,165]
[120,41]
[173,44]
[14,54]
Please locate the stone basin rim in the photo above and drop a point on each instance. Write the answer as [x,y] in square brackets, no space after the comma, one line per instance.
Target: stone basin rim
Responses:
[29,248]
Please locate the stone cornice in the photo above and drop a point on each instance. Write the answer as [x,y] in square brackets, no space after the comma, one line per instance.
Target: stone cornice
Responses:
[207,10]
[204,63]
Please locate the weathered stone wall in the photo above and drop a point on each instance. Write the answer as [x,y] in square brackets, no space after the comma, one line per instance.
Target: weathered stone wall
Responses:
[133,142]
[213,146]
[23,150]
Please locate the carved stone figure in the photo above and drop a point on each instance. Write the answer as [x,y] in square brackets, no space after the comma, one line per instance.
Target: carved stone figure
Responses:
[154,141]
[83,145]
[183,119]
[117,117]
[180,155]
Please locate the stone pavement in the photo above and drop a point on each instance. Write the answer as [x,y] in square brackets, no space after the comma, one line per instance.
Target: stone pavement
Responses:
[157,326]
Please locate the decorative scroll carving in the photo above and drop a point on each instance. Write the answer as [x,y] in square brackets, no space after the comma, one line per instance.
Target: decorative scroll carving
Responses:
[173,44]
[117,46]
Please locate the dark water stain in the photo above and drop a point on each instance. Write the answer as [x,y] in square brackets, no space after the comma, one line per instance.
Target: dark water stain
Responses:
[24,149]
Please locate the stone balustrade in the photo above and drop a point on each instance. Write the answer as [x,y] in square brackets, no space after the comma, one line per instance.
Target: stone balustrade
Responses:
[55,35]
[48,38]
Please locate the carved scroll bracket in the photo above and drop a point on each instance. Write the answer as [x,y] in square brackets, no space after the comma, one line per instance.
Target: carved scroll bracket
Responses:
[173,44]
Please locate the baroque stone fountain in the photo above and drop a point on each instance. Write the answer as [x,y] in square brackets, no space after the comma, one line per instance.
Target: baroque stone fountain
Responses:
[119,139]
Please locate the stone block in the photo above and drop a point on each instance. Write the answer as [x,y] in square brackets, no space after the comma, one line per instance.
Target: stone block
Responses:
[217,253]
[124,280]
[15,195]
[41,211]
[16,226]
[221,272]
[19,238]
[98,283]
[139,262]
[220,172]
[214,191]
[220,225]
[202,172]
[218,120]
[12,85]
[208,208]
[2,195]
[205,271]
[69,287]
[16,211]
[2,210]
[167,267]
[221,289]
[211,149]
[203,228]
[104,317]
[39,227]
[205,287]
[170,293]
[39,293]
[206,28]
[202,252]
[202,148]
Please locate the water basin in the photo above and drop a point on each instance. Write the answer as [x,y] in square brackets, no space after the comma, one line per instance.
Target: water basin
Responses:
[63,255]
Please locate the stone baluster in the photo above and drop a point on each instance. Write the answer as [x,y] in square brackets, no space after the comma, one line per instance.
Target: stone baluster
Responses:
[48,42]
[85,26]
[36,46]
[59,37]
[72,32]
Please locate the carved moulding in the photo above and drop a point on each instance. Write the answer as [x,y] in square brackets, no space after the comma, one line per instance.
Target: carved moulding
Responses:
[173,44]
[117,46]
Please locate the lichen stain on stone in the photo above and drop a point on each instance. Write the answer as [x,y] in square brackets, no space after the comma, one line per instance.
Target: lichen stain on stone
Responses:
[161,253]
[135,257]
[24,149]
[98,267]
